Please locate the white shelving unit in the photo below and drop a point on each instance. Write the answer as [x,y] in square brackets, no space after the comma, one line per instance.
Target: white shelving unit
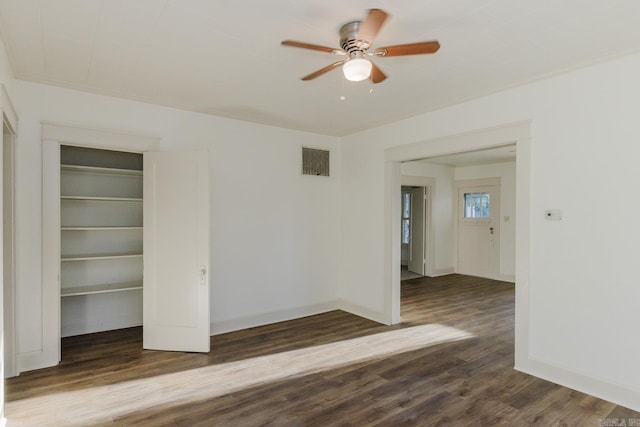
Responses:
[102,199]
[97,169]
[101,240]
[88,257]
[101,289]
[98,228]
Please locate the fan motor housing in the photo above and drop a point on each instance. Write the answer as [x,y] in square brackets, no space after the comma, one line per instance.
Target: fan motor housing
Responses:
[349,41]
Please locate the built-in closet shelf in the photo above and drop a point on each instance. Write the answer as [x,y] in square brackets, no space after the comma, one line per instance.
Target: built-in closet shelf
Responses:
[95,169]
[102,199]
[99,289]
[91,257]
[99,228]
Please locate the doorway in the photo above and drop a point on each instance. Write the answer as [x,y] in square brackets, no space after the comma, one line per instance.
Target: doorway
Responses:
[518,134]
[175,196]
[8,248]
[414,231]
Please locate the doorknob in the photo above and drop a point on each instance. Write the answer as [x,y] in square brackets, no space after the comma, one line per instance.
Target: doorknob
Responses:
[203,275]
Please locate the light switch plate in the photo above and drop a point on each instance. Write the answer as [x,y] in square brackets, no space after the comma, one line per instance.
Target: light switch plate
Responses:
[553,214]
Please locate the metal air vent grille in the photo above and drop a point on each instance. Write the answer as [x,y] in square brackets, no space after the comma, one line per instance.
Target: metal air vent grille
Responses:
[315,162]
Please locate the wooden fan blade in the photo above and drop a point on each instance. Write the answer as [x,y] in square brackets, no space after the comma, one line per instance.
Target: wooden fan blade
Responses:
[377,75]
[368,30]
[408,49]
[303,45]
[322,71]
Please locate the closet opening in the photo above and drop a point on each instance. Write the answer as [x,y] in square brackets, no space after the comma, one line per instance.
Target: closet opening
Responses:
[101,246]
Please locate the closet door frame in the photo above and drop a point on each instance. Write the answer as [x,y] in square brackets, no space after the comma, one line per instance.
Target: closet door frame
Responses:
[53,136]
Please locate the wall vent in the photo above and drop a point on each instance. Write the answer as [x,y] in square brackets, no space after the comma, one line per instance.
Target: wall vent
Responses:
[315,162]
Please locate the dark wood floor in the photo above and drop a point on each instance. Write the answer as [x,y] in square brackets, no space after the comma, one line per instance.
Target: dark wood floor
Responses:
[448,363]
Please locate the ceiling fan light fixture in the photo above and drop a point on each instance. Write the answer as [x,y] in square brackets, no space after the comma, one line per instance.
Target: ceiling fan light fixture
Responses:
[357,69]
[356,39]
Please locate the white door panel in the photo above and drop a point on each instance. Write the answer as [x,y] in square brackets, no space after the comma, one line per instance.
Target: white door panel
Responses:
[474,251]
[176,251]
[478,233]
[416,244]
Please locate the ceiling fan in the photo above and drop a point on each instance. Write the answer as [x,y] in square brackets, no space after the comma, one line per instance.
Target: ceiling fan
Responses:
[356,38]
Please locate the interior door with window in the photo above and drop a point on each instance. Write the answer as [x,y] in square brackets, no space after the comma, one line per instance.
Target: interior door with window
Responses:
[176,251]
[478,231]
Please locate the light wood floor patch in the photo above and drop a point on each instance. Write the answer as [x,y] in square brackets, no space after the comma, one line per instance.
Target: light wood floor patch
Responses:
[450,362]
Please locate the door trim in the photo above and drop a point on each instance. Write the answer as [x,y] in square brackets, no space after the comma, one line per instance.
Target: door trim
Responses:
[9,307]
[508,134]
[54,135]
[10,117]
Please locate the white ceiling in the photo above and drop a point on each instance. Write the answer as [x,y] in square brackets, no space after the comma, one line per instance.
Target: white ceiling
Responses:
[224,57]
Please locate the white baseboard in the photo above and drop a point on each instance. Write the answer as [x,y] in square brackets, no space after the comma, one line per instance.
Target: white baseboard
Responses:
[224,326]
[501,277]
[615,393]
[442,272]
[100,325]
[506,278]
[365,312]
[35,360]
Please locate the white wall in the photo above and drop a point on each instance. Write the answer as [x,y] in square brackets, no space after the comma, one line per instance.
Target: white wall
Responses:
[442,205]
[507,174]
[274,232]
[583,278]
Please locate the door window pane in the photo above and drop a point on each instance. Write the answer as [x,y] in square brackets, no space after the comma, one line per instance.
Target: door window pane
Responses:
[405,231]
[477,205]
[406,217]
[406,205]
